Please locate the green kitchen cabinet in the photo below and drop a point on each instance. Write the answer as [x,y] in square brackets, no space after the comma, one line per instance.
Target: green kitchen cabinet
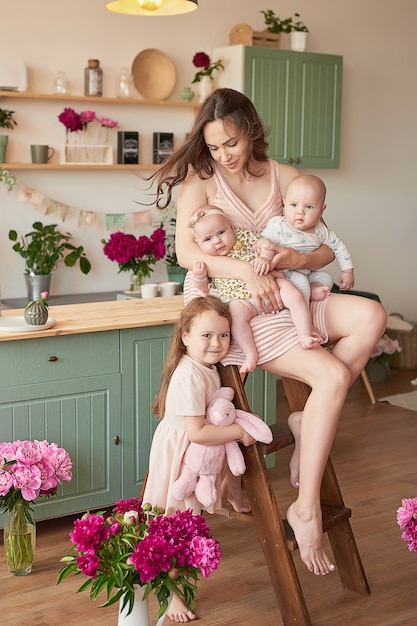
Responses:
[143,355]
[298,96]
[67,390]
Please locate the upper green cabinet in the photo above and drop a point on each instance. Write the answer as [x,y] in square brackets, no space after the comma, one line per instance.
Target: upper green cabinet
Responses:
[297,94]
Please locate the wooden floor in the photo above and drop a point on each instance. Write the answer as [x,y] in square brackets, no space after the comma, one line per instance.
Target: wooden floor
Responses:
[375,457]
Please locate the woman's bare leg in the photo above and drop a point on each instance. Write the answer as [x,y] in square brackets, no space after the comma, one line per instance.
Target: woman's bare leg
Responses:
[354,324]
[329,380]
[294,422]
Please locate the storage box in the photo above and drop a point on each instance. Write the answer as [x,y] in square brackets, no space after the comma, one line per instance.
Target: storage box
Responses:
[127,147]
[243,34]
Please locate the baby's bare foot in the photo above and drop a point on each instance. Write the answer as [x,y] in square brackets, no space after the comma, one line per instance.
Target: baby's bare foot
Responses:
[178,612]
[313,340]
[319,292]
[309,535]
[294,422]
[249,364]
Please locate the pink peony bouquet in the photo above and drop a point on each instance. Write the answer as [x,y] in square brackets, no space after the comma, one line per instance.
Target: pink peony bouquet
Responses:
[202,60]
[29,469]
[407,521]
[138,545]
[136,255]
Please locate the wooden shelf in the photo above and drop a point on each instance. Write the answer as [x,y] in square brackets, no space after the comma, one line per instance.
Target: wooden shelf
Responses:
[69,97]
[79,166]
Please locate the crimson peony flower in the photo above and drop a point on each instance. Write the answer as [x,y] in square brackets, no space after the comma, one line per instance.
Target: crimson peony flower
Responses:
[136,255]
[201,59]
[163,553]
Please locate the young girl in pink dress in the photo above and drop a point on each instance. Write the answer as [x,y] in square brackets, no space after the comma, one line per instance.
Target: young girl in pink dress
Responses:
[224,162]
[189,378]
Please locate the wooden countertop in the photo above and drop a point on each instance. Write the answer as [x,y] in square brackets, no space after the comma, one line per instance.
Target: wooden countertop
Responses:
[73,319]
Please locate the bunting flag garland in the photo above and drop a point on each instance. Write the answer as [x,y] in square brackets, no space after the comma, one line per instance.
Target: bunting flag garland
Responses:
[8,179]
[57,207]
[35,197]
[88,218]
[115,220]
[144,217]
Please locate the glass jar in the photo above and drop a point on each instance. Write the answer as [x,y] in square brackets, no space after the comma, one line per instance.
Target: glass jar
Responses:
[124,84]
[61,84]
[93,78]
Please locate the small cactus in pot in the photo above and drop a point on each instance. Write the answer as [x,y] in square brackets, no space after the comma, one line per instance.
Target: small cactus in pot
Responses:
[36,312]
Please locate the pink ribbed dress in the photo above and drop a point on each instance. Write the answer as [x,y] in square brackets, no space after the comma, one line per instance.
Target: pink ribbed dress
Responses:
[273,334]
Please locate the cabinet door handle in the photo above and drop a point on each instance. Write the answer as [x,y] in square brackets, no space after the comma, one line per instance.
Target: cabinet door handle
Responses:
[52,359]
[297,160]
[289,159]
[116,440]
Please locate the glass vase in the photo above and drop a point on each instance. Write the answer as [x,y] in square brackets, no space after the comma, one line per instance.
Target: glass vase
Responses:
[136,282]
[19,540]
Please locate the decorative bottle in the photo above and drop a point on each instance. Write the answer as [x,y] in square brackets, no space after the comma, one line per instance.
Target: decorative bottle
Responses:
[124,85]
[93,78]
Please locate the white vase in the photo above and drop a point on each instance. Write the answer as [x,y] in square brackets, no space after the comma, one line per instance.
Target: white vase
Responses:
[140,612]
[205,87]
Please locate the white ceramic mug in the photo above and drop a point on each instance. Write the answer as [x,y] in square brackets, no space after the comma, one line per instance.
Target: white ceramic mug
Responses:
[169,288]
[149,290]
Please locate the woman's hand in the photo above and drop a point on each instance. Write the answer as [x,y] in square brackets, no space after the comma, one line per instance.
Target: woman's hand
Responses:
[265,291]
[289,259]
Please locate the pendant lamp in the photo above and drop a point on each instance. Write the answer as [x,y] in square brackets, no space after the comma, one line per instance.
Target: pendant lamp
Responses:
[152,8]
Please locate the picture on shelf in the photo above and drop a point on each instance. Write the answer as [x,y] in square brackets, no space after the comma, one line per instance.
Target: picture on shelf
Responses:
[163,147]
[127,147]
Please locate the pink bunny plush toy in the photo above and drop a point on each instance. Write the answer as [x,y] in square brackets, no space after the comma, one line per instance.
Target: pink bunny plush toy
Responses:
[201,464]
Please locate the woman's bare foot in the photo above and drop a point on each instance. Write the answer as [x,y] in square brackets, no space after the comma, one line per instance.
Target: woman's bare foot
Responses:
[294,422]
[178,612]
[232,492]
[309,535]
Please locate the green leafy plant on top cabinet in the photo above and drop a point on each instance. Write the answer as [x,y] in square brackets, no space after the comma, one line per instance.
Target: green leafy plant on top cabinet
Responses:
[297,94]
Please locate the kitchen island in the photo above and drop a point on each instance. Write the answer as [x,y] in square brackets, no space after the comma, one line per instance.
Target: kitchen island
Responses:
[87,384]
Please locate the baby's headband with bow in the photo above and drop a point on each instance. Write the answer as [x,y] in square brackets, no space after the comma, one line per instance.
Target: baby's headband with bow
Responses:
[200,214]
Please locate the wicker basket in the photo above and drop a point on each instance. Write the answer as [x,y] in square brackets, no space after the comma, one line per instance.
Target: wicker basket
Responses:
[407,359]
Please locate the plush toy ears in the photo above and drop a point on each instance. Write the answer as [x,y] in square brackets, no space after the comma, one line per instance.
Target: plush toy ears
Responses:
[224,392]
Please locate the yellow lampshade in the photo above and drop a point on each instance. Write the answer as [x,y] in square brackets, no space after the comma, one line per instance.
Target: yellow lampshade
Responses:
[150,8]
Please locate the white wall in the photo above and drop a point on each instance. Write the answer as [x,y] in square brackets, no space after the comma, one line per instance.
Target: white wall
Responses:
[371,197]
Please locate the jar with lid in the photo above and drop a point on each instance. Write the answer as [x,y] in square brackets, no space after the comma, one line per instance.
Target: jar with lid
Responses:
[124,84]
[93,78]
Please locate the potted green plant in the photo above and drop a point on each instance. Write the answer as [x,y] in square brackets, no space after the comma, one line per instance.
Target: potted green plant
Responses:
[297,30]
[175,272]
[6,121]
[43,248]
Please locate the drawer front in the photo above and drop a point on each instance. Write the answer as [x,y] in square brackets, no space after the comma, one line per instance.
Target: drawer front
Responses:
[59,358]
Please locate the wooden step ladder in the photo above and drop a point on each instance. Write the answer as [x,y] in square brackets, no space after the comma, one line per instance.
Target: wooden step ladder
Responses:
[275,534]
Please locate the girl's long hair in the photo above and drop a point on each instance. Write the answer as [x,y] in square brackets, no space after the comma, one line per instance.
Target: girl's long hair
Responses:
[230,106]
[196,307]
